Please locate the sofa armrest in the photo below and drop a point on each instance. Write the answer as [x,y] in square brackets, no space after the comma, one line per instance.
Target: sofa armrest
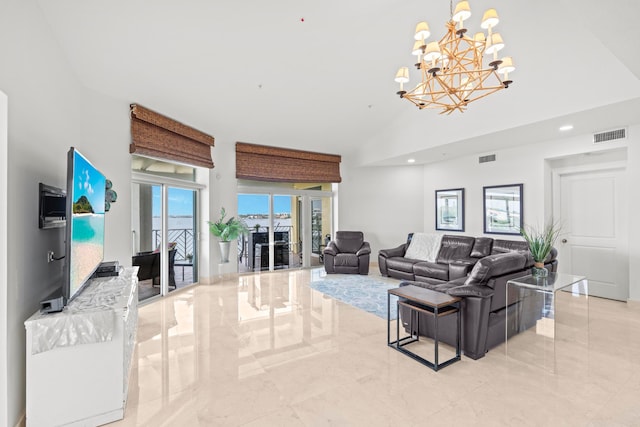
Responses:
[479,291]
[364,249]
[458,269]
[331,249]
[393,252]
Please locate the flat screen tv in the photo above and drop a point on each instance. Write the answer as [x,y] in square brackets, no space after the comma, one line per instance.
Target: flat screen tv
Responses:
[84,242]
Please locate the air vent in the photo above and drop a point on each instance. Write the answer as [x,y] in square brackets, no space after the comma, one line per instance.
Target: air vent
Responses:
[609,135]
[489,158]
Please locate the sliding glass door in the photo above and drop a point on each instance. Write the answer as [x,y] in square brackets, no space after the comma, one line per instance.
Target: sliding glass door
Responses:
[285,230]
[320,227]
[253,247]
[164,234]
[181,211]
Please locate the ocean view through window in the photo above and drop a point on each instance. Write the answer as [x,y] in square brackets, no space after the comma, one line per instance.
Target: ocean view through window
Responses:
[253,210]
[180,221]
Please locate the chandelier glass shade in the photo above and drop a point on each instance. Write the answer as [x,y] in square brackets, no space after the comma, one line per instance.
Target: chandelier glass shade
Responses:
[453,72]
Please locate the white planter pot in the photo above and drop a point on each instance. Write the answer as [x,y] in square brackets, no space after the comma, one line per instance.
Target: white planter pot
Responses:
[224,251]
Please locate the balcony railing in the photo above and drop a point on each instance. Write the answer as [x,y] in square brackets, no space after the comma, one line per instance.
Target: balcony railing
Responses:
[183,237]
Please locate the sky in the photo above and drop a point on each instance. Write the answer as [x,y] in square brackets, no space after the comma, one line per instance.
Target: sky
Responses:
[181,203]
[259,204]
[89,182]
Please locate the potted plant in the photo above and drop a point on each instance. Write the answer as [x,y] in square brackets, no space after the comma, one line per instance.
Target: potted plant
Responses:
[226,231]
[540,244]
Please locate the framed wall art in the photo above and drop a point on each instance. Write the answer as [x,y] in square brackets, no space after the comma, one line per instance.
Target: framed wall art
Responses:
[503,207]
[450,209]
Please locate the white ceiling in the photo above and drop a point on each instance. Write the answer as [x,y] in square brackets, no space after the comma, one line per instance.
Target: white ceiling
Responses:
[318,75]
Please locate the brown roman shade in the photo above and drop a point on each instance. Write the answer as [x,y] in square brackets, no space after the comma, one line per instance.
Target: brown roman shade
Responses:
[155,135]
[263,163]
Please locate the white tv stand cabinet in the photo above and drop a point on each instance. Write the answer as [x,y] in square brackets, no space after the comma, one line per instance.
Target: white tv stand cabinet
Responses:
[78,360]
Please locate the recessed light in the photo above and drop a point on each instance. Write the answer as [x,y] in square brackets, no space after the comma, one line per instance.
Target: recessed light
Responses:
[411,161]
[565,128]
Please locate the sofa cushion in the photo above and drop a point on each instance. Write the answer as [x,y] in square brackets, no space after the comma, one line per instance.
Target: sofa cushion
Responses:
[431,269]
[431,280]
[424,247]
[482,247]
[495,265]
[461,268]
[401,264]
[454,248]
[345,260]
[425,285]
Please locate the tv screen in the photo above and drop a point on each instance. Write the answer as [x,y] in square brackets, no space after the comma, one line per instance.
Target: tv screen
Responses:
[85,222]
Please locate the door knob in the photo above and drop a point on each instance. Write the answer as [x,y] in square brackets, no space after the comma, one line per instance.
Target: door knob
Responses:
[564,240]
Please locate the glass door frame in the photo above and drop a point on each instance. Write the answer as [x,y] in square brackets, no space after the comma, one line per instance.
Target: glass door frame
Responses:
[321,242]
[307,196]
[164,183]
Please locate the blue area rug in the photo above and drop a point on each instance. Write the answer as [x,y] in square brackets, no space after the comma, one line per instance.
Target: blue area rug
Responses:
[363,292]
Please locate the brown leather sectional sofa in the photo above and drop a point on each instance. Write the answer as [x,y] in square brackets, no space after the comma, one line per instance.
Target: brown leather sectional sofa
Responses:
[477,270]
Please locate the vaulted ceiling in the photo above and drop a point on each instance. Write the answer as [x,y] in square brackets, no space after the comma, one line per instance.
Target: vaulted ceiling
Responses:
[318,75]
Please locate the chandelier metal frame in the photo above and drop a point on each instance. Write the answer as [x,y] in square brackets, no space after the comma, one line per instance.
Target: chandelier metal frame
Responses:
[451,70]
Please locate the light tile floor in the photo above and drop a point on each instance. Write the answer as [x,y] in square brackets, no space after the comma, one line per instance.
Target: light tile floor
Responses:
[267,350]
[183,277]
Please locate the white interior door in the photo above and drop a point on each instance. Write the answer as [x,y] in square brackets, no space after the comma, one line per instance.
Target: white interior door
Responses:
[591,206]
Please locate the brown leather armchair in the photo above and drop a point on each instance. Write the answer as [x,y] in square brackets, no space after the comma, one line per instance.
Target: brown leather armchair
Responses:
[347,254]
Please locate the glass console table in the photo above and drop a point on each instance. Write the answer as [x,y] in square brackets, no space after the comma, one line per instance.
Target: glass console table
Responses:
[547,316]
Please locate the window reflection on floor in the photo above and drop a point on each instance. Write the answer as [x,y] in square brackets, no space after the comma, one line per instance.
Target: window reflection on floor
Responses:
[274,323]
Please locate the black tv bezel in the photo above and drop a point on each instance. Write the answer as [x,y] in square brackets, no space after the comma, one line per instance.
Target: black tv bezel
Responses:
[66,288]
[47,192]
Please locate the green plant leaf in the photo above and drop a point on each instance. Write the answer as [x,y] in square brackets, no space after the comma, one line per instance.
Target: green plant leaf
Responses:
[227,230]
[540,241]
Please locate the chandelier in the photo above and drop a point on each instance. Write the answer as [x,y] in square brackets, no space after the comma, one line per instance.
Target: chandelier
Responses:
[452,70]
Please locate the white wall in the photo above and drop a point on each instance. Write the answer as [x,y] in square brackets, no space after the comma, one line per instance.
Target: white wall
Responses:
[385,203]
[223,191]
[49,111]
[511,167]
[204,268]
[527,165]
[633,174]
[43,105]
[105,138]
[3,258]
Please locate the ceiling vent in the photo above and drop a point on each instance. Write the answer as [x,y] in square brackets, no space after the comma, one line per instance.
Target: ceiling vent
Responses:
[489,158]
[609,135]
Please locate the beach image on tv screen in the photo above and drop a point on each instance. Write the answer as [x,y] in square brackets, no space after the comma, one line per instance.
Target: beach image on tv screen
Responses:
[87,223]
